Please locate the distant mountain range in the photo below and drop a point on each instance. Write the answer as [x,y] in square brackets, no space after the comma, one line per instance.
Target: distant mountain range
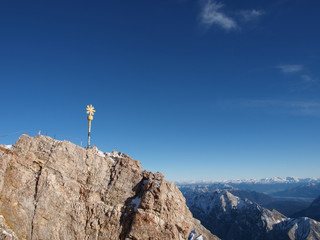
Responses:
[289,188]
[287,198]
[256,181]
[230,217]
[286,207]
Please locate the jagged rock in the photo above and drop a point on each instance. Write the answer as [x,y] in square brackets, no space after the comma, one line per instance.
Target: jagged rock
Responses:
[53,189]
[302,228]
[230,217]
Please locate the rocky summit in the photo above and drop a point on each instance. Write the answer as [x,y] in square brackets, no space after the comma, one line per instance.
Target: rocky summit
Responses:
[53,189]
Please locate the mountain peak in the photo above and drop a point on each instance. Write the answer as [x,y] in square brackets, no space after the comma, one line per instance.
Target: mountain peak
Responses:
[230,217]
[53,189]
[271,180]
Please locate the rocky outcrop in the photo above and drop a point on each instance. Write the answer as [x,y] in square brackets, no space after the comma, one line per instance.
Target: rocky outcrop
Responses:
[53,189]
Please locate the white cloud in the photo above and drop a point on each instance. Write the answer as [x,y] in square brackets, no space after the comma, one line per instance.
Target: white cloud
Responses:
[308,78]
[290,68]
[249,15]
[211,14]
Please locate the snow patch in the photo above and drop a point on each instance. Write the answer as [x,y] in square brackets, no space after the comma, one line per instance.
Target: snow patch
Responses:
[9,233]
[8,146]
[192,234]
[199,238]
[112,160]
[272,180]
[157,183]
[6,233]
[101,154]
[116,154]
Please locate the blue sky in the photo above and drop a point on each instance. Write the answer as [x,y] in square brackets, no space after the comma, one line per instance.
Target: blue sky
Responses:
[195,89]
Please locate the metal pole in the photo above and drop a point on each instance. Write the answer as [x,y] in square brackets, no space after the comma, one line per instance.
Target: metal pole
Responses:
[89,133]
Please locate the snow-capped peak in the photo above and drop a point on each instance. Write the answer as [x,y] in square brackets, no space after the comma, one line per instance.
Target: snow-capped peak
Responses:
[271,180]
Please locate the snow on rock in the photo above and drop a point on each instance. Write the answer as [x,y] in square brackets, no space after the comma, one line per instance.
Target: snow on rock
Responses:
[5,231]
[272,180]
[112,160]
[98,152]
[101,154]
[299,228]
[191,235]
[230,217]
[222,212]
[9,147]
[199,238]
[116,154]
[112,157]
[223,200]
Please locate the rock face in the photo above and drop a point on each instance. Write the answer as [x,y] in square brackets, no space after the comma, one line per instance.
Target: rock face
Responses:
[56,190]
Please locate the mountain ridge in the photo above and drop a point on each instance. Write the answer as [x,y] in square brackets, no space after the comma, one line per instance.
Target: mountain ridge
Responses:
[230,217]
[270,180]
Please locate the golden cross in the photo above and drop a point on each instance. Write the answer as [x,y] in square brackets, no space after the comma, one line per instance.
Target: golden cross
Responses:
[90,110]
